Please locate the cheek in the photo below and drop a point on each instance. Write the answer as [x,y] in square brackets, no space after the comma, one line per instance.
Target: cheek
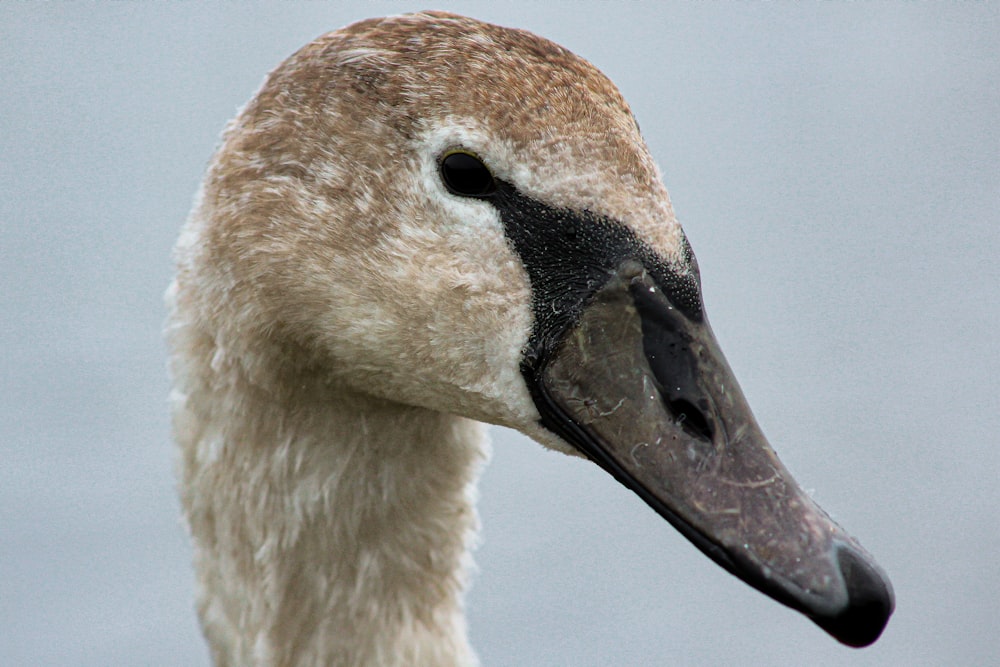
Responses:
[471,318]
[437,316]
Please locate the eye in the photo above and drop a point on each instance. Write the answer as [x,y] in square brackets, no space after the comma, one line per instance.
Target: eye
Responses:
[464,174]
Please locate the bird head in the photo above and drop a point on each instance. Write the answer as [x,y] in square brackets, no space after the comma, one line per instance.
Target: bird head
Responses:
[464,217]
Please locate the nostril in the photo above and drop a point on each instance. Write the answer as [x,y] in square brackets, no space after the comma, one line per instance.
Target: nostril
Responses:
[869,605]
[690,418]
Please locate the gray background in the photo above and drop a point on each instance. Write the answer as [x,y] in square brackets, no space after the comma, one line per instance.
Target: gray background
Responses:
[836,169]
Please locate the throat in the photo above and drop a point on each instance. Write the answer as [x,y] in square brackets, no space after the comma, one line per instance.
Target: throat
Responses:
[329,528]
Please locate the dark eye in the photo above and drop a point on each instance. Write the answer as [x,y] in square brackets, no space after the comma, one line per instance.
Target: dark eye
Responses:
[464,174]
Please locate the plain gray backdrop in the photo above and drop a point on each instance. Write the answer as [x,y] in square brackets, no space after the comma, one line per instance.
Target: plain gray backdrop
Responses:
[837,169]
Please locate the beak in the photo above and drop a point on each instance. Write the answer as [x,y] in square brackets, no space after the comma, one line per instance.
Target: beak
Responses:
[643,390]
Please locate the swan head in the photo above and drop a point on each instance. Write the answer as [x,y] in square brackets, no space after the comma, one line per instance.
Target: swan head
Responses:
[462,217]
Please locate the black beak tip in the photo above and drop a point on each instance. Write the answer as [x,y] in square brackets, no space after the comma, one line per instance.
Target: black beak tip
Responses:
[870,602]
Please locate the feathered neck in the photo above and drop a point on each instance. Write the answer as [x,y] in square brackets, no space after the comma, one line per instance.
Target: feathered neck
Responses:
[330,528]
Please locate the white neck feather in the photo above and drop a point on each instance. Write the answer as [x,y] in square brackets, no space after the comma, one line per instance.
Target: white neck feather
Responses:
[331,528]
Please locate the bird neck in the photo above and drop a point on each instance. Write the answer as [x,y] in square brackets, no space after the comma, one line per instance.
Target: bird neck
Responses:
[330,528]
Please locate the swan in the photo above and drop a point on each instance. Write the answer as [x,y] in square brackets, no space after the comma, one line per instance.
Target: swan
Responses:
[417,226]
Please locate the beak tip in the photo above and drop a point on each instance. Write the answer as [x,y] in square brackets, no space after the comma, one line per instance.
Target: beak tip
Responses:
[870,601]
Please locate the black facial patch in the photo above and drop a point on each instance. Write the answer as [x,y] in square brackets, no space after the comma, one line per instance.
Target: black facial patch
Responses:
[569,255]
